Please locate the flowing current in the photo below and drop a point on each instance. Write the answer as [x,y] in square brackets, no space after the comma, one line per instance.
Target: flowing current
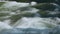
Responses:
[23,22]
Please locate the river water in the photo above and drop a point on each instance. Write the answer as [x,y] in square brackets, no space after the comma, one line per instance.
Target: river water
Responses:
[16,22]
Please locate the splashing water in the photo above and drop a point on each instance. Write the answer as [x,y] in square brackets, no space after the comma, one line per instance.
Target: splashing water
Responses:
[35,22]
[4,26]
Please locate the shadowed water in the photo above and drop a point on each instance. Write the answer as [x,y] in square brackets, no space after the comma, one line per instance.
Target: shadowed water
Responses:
[55,30]
[25,31]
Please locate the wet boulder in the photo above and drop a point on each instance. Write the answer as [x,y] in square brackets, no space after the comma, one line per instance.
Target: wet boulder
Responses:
[45,6]
[14,18]
[43,13]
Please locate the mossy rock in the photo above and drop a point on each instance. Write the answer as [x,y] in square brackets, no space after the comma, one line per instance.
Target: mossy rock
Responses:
[45,6]
[3,9]
[15,18]
[1,3]
[43,13]
[3,14]
[28,15]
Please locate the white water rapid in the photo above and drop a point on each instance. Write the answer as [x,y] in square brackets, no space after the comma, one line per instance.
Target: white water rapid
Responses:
[24,22]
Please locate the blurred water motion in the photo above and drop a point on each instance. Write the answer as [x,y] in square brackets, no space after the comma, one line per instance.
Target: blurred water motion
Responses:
[26,18]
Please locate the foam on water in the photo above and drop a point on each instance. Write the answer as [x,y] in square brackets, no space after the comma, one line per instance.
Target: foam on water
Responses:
[10,4]
[35,22]
[3,25]
[25,22]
